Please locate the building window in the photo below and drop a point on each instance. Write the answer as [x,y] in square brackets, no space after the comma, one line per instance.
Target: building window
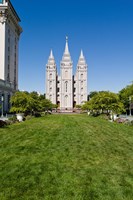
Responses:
[74,89]
[58,89]
[8,100]
[50,97]
[81,83]
[66,101]
[81,90]
[8,77]
[50,76]
[66,74]
[66,86]
[50,89]
[82,76]
[50,83]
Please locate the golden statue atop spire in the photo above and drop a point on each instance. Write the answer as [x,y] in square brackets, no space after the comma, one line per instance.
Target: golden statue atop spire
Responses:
[66,38]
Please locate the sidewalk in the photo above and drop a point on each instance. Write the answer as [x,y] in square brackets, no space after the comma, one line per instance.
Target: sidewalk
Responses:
[3,118]
[130,118]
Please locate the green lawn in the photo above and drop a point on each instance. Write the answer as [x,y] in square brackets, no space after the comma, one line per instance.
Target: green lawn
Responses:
[66,157]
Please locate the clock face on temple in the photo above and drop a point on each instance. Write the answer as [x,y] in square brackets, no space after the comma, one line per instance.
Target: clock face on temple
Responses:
[1,1]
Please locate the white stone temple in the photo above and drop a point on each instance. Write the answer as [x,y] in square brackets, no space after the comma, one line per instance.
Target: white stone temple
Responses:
[66,90]
[10,31]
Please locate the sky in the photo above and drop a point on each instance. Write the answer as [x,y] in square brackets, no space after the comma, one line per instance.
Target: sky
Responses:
[103,29]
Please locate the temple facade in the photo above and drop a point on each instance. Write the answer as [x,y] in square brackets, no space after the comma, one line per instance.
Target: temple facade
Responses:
[66,90]
[10,31]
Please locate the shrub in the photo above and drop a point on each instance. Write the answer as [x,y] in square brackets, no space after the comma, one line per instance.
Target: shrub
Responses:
[2,123]
[37,114]
[8,122]
[48,112]
[132,122]
[120,120]
[13,119]
[95,114]
[127,122]
[104,116]
[28,117]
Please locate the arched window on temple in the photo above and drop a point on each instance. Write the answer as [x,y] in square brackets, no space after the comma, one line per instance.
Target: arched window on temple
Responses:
[50,75]
[66,86]
[66,74]
[82,76]
[66,101]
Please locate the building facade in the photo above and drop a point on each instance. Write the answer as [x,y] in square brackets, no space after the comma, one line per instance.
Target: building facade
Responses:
[66,90]
[10,31]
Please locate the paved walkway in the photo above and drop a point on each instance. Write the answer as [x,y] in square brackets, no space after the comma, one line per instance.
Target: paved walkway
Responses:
[126,117]
[3,118]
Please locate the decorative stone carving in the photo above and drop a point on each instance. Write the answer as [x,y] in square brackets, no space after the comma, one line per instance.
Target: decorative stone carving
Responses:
[3,17]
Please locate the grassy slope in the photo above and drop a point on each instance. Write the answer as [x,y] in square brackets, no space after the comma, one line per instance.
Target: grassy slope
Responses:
[66,157]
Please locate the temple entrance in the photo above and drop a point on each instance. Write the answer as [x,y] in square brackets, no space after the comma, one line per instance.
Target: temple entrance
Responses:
[58,104]
[66,101]
[74,104]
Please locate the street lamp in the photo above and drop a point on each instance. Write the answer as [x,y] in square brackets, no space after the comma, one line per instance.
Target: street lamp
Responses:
[130,106]
[2,107]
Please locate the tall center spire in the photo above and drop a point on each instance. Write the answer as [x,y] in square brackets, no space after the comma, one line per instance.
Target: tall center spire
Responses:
[66,59]
[66,47]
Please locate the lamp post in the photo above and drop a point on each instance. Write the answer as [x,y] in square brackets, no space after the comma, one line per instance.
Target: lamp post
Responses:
[130,106]
[2,101]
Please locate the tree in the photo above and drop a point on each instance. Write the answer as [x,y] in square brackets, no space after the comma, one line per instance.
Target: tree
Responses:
[125,95]
[29,102]
[46,105]
[92,94]
[104,101]
[78,106]
[21,102]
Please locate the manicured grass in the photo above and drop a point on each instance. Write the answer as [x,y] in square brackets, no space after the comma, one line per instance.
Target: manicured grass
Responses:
[66,157]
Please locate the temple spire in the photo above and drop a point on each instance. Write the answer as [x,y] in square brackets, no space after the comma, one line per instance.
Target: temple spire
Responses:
[81,61]
[81,54]
[66,58]
[51,54]
[66,47]
[51,60]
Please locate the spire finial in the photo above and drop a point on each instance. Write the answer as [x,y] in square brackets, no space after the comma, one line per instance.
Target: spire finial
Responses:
[66,38]
[51,54]
[66,47]
[81,54]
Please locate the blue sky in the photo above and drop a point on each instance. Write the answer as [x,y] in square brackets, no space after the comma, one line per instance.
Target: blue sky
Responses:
[102,28]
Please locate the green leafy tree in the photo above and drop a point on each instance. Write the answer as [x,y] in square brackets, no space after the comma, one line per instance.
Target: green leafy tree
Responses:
[21,102]
[25,102]
[104,101]
[125,94]
[46,105]
[78,106]
[28,102]
[92,94]
[36,103]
